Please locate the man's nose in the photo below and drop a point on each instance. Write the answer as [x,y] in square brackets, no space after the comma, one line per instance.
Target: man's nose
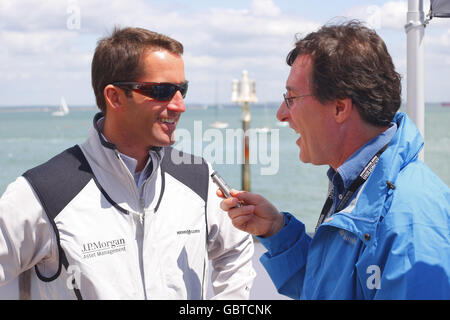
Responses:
[177,103]
[282,112]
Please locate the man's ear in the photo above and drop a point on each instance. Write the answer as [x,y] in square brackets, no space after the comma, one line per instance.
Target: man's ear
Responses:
[342,109]
[115,98]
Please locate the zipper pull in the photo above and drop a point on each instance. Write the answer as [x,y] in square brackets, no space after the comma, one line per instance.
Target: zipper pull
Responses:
[142,215]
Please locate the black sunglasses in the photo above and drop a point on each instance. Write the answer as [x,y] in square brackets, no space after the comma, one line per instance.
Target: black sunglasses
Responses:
[161,91]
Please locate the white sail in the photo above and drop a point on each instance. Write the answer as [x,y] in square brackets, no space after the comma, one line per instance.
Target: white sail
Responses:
[219,125]
[266,128]
[63,109]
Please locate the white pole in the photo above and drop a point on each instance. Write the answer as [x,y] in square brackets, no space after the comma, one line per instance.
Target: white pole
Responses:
[414,72]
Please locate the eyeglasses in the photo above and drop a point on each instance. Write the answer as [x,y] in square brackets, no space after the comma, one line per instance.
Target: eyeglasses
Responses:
[289,99]
[161,91]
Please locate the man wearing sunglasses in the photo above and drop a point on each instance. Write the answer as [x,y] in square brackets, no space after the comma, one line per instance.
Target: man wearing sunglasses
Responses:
[117,217]
[383,232]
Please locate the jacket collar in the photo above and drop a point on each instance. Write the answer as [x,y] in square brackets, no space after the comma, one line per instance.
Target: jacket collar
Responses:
[362,214]
[106,153]
[97,128]
[112,174]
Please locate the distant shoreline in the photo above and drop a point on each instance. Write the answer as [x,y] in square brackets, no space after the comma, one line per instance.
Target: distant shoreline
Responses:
[191,106]
[43,109]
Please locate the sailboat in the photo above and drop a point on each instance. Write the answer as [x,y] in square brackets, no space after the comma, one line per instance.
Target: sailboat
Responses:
[219,124]
[63,109]
[266,128]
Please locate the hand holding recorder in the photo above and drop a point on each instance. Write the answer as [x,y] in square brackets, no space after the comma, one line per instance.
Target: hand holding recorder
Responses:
[249,212]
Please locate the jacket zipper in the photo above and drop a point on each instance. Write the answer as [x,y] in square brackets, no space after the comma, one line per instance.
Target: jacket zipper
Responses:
[141,199]
[144,185]
[142,215]
[134,187]
[142,218]
[141,221]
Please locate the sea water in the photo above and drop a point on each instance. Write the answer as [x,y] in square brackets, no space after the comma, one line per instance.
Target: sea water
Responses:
[31,136]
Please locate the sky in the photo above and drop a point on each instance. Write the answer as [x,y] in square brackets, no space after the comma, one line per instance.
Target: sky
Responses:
[46,46]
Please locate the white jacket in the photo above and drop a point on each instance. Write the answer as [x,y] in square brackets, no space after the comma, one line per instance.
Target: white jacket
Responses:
[99,239]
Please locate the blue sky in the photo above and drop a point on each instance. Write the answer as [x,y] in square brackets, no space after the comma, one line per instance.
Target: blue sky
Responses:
[47,45]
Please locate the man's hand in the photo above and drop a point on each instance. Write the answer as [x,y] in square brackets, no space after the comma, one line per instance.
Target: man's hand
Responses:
[256,215]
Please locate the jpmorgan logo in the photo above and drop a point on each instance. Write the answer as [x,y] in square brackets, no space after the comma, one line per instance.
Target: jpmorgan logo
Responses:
[101,248]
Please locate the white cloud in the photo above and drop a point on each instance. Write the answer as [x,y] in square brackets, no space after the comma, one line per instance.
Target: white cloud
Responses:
[223,40]
[219,42]
[265,8]
[200,61]
[35,42]
[441,40]
[391,14]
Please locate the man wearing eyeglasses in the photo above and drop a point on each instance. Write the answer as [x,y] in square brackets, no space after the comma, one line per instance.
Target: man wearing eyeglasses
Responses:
[116,217]
[384,230]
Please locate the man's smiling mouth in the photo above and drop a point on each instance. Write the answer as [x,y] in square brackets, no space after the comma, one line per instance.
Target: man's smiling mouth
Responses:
[167,120]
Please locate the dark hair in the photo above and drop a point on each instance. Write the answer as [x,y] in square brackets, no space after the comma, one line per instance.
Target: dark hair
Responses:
[118,57]
[352,61]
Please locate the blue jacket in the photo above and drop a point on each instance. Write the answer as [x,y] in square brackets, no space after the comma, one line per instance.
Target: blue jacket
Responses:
[391,242]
